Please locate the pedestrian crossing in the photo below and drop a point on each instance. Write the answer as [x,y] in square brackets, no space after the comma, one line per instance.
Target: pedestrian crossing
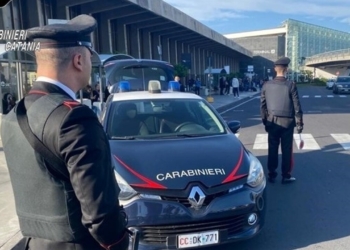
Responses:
[310,142]
[324,96]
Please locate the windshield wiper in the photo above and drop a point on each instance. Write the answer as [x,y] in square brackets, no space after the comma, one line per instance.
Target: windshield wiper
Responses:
[181,135]
[123,138]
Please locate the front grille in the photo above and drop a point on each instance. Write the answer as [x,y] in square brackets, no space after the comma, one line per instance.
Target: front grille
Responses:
[159,234]
[186,203]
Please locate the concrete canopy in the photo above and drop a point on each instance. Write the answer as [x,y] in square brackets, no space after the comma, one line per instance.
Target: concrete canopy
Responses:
[160,19]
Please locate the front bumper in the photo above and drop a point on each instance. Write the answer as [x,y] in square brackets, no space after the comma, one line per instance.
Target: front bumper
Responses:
[160,222]
[344,90]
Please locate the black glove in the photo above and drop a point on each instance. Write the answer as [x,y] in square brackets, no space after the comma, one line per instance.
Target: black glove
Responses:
[299,129]
[264,122]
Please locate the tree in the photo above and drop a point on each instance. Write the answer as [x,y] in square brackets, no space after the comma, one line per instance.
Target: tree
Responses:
[309,75]
[180,70]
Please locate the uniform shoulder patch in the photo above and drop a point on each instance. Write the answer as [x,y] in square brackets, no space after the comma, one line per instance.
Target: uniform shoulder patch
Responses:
[71,104]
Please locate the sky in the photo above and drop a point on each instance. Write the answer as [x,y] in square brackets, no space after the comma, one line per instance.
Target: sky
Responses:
[232,16]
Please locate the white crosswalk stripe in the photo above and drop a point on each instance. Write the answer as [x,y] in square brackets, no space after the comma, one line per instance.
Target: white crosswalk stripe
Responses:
[261,142]
[310,143]
[327,96]
[343,140]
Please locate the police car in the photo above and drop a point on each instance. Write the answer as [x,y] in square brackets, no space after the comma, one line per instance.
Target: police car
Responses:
[186,180]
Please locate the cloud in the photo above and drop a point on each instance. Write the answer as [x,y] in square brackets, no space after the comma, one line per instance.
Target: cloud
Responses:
[209,10]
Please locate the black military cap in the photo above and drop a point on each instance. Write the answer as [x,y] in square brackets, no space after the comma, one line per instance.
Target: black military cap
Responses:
[76,32]
[283,61]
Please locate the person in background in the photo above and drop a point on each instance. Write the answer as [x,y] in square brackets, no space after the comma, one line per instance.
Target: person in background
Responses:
[227,86]
[106,93]
[182,86]
[95,94]
[235,87]
[281,112]
[8,102]
[197,88]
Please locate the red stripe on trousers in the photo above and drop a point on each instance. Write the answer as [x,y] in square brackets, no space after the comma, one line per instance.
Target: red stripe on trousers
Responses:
[291,161]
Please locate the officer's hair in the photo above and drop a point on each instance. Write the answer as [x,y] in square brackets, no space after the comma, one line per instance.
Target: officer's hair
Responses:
[281,68]
[57,57]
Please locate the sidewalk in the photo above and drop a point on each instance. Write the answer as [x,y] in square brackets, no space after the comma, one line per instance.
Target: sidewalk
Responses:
[9,228]
[224,102]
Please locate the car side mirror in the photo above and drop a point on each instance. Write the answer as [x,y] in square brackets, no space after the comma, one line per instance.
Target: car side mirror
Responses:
[234,126]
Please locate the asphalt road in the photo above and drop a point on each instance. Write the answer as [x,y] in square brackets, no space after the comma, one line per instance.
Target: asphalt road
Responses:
[313,212]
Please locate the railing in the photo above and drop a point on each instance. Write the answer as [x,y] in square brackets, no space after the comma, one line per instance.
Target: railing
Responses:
[335,55]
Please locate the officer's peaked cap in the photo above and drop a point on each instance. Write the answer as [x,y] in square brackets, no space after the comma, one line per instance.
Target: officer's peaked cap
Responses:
[76,32]
[283,61]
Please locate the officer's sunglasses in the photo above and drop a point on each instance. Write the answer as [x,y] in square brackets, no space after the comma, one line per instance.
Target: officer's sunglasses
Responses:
[87,45]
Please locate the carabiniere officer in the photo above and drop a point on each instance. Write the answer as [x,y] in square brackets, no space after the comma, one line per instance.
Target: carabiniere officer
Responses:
[281,112]
[73,205]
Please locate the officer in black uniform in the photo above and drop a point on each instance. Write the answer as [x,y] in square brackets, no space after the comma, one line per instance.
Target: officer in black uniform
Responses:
[281,112]
[82,211]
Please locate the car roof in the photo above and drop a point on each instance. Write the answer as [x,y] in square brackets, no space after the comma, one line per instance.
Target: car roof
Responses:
[143,61]
[145,95]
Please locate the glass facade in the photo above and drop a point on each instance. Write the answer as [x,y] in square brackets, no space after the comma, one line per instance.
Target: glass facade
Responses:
[304,40]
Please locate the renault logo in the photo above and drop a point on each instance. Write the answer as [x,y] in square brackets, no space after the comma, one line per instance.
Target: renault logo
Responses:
[196,197]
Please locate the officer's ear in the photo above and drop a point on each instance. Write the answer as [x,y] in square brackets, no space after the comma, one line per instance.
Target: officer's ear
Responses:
[78,61]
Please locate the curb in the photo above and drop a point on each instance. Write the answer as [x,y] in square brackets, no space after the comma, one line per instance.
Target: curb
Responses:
[232,104]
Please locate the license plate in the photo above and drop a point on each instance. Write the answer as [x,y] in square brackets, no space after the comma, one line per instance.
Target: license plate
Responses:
[198,239]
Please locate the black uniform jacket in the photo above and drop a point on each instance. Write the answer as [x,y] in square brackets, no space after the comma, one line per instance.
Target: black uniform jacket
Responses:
[81,142]
[285,122]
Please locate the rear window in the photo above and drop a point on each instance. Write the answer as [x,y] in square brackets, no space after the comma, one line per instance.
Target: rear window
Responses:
[138,76]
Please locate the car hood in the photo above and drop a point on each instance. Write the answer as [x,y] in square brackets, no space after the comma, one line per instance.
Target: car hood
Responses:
[173,163]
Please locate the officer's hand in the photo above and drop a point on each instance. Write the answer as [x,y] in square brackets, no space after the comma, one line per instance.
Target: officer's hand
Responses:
[299,129]
[267,129]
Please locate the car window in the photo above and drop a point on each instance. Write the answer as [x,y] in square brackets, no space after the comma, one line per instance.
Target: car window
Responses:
[162,118]
[343,79]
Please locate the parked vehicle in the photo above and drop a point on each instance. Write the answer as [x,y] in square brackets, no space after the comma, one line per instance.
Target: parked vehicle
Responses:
[341,85]
[330,83]
[186,180]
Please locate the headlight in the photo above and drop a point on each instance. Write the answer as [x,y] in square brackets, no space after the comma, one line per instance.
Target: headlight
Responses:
[126,192]
[340,86]
[256,172]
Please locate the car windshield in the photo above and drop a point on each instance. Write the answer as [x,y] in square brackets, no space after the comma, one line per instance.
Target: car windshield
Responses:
[162,118]
[343,79]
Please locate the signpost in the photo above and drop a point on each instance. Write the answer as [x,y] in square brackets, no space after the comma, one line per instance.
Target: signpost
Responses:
[209,97]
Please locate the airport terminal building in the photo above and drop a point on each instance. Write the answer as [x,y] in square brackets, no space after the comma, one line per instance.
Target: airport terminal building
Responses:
[294,39]
[148,29]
